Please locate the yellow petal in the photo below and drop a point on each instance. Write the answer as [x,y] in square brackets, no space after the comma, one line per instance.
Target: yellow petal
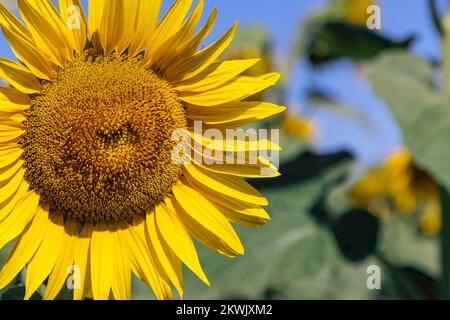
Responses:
[18,219]
[81,261]
[168,26]
[9,156]
[172,47]
[101,258]
[64,262]
[7,205]
[45,32]
[146,20]
[121,281]
[12,100]
[215,75]
[112,26]
[9,187]
[233,90]
[198,208]
[169,261]
[25,247]
[200,232]
[6,173]
[19,76]
[230,186]
[73,14]
[237,143]
[64,36]
[8,20]
[192,66]
[234,114]
[95,13]
[177,238]
[189,48]
[146,263]
[45,258]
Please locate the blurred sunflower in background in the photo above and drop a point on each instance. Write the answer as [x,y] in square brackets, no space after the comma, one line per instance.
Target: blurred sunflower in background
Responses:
[400,183]
[86,123]
[352,11]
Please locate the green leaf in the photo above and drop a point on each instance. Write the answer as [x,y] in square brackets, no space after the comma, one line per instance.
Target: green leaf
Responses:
[18,293]
[407,85]
[336,39]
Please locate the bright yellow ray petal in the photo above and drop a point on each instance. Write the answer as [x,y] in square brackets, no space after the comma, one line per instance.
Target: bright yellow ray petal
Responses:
[101,258]
[237,143]
[44,260]
[7,205]
[64,262]
[95,13]
[169,261]
[25,247]
[178,239]
[198,208]
[13,119]
[215,75]
[18,219]
[6,173]
[168,26]
[18,76]
[192,66]
[146,20]
[9,156]
[199,232]
[121,281]
[47,38]
[29,54]
[174,44]
[12,100]
[234,114]
[230,186]
[145,262]
[8,20]
[73,14]
[112,26]
[233,90]
[81,261]
[130,14]
[9,187]
[47,10]
[263,169]
[189,48]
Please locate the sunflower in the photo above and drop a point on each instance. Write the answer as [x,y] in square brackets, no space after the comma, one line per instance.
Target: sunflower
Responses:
[87,179]
[404,185]
[355,11]
[297,127]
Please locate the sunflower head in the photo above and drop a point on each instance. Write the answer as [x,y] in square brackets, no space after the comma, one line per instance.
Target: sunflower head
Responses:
[405,186]
[87,124]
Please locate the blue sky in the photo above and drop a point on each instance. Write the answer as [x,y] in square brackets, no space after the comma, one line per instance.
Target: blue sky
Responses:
[371,139]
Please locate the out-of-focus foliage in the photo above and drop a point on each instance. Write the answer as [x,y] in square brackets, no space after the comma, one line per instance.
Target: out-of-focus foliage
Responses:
[408,86]
[338,31]
[398,182]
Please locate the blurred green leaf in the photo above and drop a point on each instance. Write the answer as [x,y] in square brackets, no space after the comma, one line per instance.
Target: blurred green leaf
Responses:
[18,293]
[336,39]
[407,84]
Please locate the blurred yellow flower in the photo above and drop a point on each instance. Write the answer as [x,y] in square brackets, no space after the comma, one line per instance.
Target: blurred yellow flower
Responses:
[355,11]
[406,187]
[297,127]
